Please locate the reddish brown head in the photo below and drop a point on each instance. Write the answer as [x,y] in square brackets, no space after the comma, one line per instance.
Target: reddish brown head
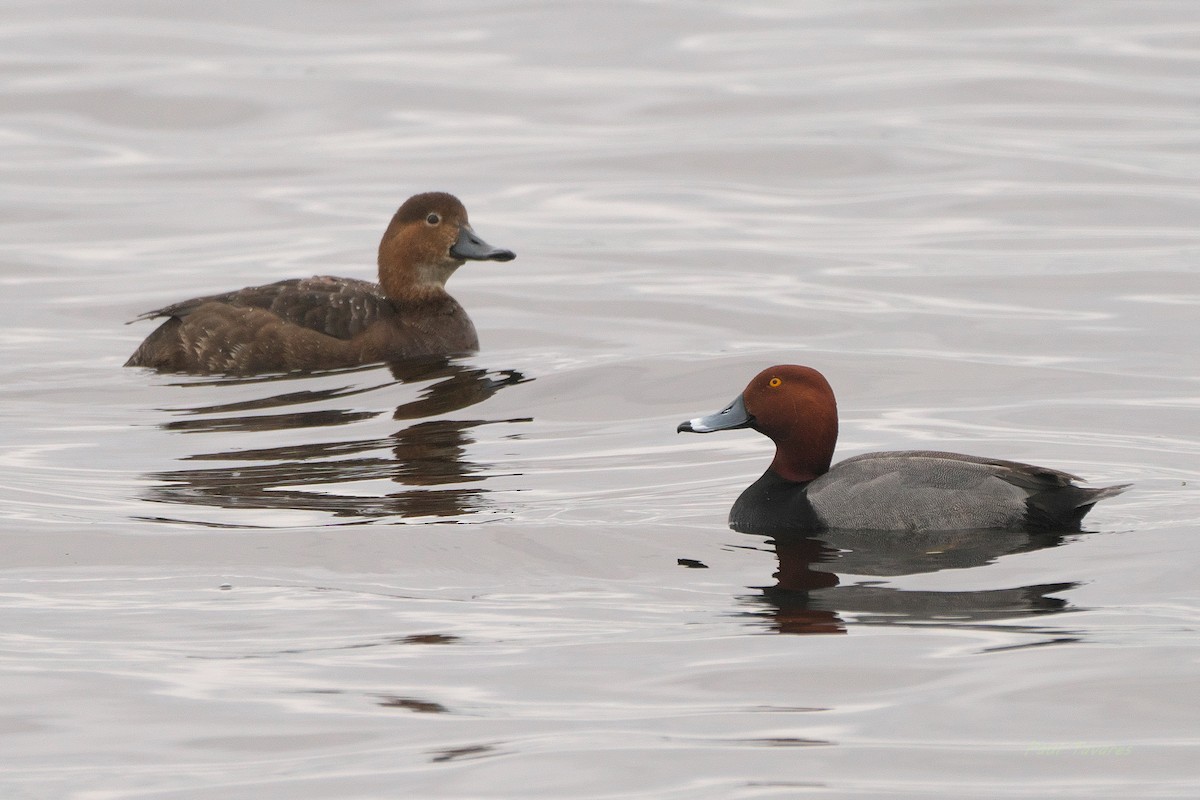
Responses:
[795,407]
[427,240]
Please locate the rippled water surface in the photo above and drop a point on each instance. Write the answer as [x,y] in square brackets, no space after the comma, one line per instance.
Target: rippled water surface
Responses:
[505,575]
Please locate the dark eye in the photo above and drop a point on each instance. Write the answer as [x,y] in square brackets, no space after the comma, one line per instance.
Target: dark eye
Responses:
[433,219]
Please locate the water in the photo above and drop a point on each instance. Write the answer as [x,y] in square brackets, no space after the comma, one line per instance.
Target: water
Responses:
[506,576]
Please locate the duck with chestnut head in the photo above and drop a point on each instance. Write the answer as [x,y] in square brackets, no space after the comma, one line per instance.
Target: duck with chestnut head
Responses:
[904,490]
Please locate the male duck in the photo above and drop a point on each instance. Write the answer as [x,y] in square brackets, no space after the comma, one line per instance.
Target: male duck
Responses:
[906,490]
[324,322]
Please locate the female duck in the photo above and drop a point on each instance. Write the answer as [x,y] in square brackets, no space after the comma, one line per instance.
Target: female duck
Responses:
[325,323]
[910,490]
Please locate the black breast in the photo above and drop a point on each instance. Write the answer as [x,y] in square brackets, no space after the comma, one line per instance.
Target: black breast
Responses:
[772,503]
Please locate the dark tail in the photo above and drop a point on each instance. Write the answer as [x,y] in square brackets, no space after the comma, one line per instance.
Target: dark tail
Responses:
[1063,508]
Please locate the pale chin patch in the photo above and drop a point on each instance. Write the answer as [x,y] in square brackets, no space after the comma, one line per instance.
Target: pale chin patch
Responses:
[436,274]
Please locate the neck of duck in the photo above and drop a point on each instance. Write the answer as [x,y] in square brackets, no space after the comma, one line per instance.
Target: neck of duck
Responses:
[414,282]
[804,455]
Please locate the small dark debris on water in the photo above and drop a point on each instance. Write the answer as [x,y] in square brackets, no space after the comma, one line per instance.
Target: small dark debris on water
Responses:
[691,563]
[412,704]
[460,753]
[428,638]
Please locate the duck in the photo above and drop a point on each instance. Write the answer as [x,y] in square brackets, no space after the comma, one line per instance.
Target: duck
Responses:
[903,490]
[324,322]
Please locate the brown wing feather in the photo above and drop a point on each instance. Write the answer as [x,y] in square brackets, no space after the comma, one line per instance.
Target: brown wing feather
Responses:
[337,307]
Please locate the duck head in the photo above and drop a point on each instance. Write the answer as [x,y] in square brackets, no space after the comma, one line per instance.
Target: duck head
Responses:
[426,241]
[792,405]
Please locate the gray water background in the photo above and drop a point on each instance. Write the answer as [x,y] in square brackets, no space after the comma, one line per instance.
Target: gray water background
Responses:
[508,577]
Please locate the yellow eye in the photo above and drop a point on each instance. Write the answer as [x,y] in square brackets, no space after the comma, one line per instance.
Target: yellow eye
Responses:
[774,382]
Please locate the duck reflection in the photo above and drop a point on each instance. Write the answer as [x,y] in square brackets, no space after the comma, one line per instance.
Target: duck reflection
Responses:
[809,595]
[427,454]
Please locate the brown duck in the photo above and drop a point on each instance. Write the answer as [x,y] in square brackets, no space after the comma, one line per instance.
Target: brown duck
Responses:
[324,322]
